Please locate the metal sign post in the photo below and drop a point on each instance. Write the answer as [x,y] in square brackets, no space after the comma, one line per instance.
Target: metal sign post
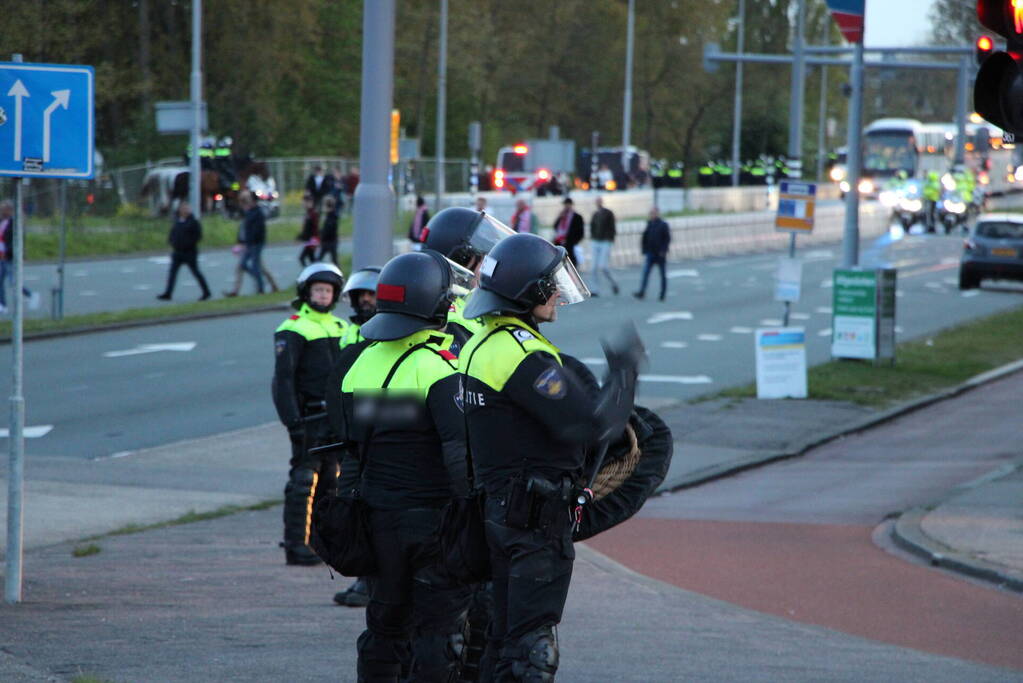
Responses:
[49,136]
[796,204]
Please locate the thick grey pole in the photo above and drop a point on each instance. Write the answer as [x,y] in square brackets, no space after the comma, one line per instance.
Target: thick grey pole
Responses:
[194,197]
[627,104]
[372,241]
[851,236]
[62,253]
[16,474]
[737,109]
[442,102]
[962,85]
[795,153]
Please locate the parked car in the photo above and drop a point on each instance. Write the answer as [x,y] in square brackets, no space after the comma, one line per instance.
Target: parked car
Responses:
[265,193]
[993,249]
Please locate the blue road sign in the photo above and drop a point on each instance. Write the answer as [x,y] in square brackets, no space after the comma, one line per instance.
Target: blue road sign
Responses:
[46,120]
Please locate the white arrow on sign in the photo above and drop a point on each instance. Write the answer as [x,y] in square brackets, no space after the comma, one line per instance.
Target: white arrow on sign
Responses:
[61,98]
[151,348]
[28,432]
[17,91]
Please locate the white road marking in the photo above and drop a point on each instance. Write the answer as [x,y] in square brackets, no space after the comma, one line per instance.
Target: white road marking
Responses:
[160,260]
[88,292]
[80,273]
[741,330]
[677,379]
[970,292]
[898,329]
[31,278]
[799,316]
[827,284]
[818,255]
[674,345]
[151,348]
[33,432]
[671,315]
[826,310]
[129,269]
[770,322]
[709,337]
[685,272]
[154,375]
[826,332]
[594,361]
[142,288]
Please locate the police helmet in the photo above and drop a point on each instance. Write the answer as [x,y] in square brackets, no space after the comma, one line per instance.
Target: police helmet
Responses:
[460,233]
[521,272]
[362,280]
[317,272]
[414,292]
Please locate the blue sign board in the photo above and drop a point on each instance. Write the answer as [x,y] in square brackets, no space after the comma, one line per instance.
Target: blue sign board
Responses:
[46,120]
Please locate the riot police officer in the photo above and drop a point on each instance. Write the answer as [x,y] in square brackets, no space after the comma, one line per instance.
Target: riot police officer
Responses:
[398,400]
[465,236]
[529,421]
[307,346]
[361,289]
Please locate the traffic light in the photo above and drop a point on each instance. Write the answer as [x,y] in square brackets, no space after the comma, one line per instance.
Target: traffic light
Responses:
[998,91]
[985,47]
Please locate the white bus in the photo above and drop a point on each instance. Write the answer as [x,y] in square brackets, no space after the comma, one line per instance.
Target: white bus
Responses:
[894,145]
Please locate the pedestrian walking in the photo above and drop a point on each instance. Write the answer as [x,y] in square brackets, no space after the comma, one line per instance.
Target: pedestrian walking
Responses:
[522,219]
[306,349]
[319,184]
[251,239]
[529,421]
[568,229]
[602,237]
[7,255]
[419,220]
[184,238]
[398,404]
[310,235]
[328,235]
[656,239]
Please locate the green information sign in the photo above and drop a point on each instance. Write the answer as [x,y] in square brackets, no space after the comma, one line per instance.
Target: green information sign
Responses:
[863,309]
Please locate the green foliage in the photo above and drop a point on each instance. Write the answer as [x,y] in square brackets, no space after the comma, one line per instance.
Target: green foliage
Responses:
[85,550]
[285,79]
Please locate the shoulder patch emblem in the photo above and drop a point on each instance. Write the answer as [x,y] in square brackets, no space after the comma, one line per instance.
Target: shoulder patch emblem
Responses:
[279,346]
[523,335]
[294,317]
[447,355]
[460,396]
[550,384]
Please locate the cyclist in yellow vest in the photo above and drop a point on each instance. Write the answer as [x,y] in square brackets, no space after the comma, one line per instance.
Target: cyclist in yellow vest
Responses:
[465,236]
[399,408]
[529,421]
[306,347]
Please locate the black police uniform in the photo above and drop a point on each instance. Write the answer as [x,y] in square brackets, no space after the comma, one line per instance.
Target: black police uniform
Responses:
[306,345]
[529,421]
[399,406]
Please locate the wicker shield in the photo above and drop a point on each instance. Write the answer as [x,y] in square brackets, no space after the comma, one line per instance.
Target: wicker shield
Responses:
[634,468]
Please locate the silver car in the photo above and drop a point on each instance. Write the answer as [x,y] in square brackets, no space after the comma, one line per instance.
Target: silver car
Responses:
[993,250]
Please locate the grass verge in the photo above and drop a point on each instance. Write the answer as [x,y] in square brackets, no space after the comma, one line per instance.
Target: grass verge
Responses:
[187,518]
[922,366]
[165,313]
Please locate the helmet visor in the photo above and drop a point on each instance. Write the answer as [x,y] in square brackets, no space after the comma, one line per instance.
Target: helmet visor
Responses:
[462,279]
[570,287]
[489,231]
[363,279]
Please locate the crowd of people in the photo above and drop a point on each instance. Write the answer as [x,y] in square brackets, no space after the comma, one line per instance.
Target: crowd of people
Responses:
[439,407]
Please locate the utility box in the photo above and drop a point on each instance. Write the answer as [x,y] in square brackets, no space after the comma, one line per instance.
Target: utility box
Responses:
[863,314]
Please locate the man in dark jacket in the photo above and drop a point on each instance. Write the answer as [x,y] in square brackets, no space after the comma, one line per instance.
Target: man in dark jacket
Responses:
[185,234]
[602,235]
[656,238]
[568,229]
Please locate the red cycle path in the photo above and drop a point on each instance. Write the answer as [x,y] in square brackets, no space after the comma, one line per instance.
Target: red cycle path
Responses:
[828,575]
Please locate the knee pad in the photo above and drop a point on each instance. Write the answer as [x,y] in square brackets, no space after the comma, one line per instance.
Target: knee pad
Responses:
[300,484]
[436,656]
[537,656]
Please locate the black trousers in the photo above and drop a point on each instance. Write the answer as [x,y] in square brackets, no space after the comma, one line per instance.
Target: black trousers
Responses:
[310,478]
[531,573]
[415,613]
[328,248]
[190,259]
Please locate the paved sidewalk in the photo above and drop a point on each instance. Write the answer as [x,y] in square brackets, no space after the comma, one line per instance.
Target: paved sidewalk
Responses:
[214,601]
